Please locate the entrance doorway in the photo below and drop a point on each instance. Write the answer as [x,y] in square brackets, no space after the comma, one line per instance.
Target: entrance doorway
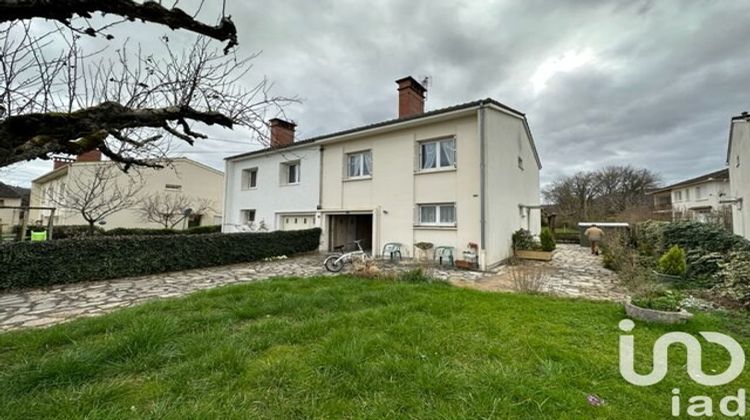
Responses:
[344,229]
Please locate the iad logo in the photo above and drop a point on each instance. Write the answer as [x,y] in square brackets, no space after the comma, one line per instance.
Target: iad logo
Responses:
[698,405]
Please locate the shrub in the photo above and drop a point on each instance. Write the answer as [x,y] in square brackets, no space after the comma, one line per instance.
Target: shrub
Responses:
[615,251]
[547,240]
[416,276]
[734,275]
[661,300]
[31,264]
[74,231]
[523,240]
[702,266]
[203,229]
[649,238]
[162,231]
[528,278]
[567,237]
[712,238]
[673,262]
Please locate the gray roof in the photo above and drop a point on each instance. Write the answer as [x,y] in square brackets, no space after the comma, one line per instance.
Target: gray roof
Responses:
[720,175]
[386,123]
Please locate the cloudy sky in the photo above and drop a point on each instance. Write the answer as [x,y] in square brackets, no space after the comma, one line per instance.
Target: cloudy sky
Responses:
[651,84]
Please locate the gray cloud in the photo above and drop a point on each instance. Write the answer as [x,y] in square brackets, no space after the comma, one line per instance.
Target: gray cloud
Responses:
[660,84]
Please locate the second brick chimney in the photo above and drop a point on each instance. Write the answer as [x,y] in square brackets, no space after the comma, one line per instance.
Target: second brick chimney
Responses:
[282,132]
[90,156]
[410,97]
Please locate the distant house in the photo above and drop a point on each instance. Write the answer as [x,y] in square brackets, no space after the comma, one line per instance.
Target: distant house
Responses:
[465,177]
[694,199]
[738,159]
[11,196]
[182,177]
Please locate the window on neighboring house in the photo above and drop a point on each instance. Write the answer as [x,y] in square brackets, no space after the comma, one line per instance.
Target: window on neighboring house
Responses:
[437,154]
[247,216]
[2,202]
[678,196]
[173,187]
[687,195]
[698,193]
[249,178]
[437,214]
[359,164]
[290,173]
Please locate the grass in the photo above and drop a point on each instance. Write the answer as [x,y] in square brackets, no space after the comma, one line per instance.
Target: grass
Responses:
[346,347]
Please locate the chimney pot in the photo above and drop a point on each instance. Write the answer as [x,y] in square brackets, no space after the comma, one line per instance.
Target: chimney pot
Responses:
[282,132]
[410,97]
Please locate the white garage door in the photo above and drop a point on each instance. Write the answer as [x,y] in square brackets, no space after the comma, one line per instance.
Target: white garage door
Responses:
[297,221]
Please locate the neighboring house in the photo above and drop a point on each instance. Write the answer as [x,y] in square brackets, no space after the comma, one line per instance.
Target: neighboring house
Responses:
[694,199]
[453,176]
[10,197]
[738,159]
[181,178]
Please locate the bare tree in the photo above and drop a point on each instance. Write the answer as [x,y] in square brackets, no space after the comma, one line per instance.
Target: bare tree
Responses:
[168,209]
[70,102]
[97,192]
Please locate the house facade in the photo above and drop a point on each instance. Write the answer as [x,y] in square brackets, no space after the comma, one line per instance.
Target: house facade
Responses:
[182,178]
[738,160]
[9,216]
[698,198]
[453,176]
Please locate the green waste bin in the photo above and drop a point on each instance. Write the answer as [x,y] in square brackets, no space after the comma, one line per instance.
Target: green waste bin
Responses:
[39,236]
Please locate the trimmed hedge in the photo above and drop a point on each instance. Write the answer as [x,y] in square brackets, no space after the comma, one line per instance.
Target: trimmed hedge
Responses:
[34,264]
[152,232]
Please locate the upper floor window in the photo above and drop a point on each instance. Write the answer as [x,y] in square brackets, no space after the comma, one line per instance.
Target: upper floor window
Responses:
[290,172]
[359,164]
[437,214]
[249,178]
[698,193]
[678,196]
[437,154]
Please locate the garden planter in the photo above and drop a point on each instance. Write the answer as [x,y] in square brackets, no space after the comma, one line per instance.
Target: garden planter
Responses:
[652,315]
[466,265]
[534,255]
[667,278]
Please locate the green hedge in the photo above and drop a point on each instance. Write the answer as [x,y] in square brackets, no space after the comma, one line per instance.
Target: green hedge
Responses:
[33,264]
[152,232]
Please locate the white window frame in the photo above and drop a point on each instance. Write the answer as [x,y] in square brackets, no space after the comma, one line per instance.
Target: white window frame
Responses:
[285,167]
[247,178]
[438,209]
[245,212]
[438,164]
[362,154]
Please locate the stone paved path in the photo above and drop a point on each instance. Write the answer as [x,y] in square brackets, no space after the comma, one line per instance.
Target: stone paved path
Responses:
[572,273]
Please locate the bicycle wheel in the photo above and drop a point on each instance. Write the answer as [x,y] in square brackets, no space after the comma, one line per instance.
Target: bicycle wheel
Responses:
[333,264]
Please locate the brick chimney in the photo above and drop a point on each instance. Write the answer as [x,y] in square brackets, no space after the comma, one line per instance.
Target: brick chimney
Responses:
[59,162]
[282,132]
[90,156]
[410,97]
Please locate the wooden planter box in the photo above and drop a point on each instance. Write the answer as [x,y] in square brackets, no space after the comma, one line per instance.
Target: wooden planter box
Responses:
[534,255]
[465,264]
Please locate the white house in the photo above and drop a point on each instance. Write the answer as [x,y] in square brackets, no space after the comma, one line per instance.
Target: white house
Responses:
[698,198]
[466,174]
[277,188]
[738,159]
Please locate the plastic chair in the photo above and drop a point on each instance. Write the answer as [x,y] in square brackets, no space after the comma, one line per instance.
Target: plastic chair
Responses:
[444,253]
[392,249]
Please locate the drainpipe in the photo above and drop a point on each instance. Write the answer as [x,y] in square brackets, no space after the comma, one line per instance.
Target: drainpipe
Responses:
[482,163]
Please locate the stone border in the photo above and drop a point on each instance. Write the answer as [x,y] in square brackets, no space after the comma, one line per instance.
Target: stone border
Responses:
[652,315]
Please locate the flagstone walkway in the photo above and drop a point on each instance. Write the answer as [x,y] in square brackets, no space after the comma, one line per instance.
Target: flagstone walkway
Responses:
[573,273]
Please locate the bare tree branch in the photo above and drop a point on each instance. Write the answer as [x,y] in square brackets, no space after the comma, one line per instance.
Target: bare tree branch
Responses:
[168,209]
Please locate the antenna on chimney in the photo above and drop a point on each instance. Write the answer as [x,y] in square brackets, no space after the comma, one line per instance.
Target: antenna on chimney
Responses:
[425,81]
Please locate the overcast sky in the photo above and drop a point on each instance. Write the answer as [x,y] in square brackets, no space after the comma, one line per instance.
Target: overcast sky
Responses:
[651,84]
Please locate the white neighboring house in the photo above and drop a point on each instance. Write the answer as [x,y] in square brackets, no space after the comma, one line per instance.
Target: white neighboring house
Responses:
[277,188]
[184,177]
[697,198]
[738,159]
[453,176]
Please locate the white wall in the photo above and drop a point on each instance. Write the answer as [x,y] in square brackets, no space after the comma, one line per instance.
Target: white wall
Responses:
[272,198]
[739,176]
[710,194]
[508,185]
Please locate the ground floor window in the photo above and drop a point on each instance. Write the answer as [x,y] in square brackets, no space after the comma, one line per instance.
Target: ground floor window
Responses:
[247,216]
[437,214]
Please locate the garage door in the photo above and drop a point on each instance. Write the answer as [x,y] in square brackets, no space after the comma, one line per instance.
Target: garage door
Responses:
[297,221]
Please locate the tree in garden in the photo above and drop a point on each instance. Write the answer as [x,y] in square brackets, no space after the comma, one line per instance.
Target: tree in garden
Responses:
[168,209]
[97,192]
[74,101]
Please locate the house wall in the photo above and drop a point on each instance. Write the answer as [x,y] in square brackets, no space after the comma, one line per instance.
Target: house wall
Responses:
[196,180]
[739,177]
[9,217]
[507,184]
[710,194]
[396,187]
[271,198]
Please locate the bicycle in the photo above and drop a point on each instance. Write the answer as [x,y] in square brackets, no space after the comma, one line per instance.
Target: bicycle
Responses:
[336,262]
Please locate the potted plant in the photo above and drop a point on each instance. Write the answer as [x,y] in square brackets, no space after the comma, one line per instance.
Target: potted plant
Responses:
[672,266]
[527,248]
[658,306]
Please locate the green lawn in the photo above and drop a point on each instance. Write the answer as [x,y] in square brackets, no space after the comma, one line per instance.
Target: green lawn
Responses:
[345,347]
